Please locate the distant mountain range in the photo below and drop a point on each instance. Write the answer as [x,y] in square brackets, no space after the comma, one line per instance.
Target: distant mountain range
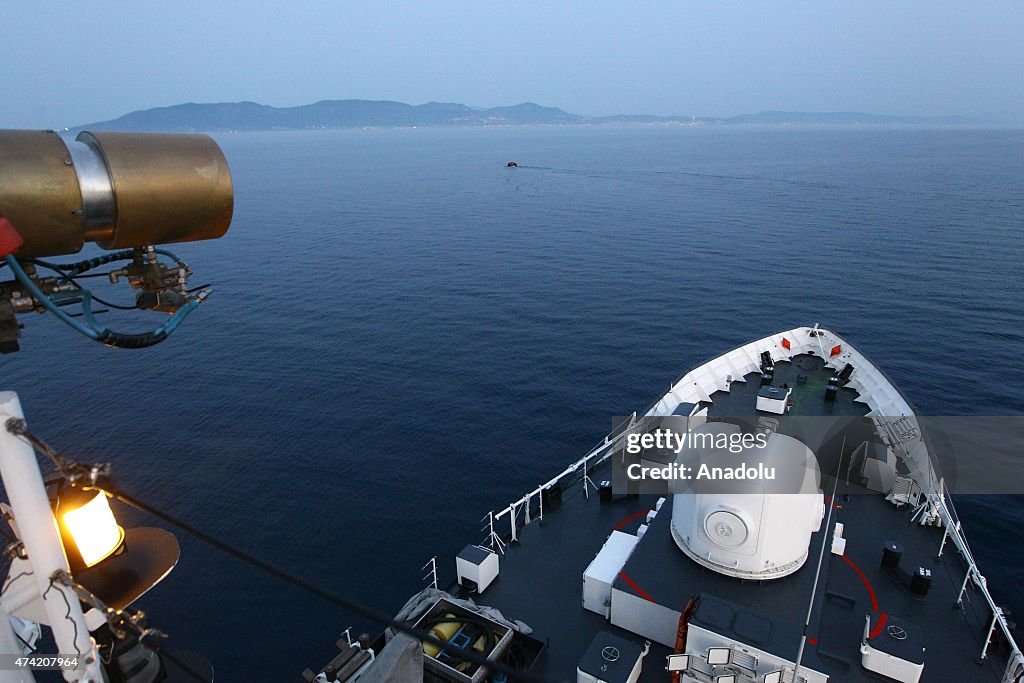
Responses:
[250,116]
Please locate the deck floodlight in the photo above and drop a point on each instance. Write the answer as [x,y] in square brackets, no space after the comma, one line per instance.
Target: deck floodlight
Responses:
[117,565]
[772,677]
[88,524]
[677,662]
[719,655]
[726,678]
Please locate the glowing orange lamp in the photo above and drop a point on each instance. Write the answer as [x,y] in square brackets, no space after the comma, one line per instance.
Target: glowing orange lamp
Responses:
[88,528]
[93,529]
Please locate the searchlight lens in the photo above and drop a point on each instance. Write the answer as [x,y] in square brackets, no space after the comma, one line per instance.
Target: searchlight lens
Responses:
[93,529]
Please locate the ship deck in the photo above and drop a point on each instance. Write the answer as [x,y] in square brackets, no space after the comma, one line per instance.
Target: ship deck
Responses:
[541,574]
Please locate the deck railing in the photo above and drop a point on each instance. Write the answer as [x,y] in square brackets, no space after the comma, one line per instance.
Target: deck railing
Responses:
[597,455]
[906,440]
[944,505]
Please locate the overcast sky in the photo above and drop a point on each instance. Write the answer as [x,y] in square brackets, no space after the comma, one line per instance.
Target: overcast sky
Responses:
[63,64]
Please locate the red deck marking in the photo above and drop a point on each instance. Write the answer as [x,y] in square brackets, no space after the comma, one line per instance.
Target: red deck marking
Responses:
[812,641]
[639,591]
[621,525]
[883,617]
[832,503]
[864,580]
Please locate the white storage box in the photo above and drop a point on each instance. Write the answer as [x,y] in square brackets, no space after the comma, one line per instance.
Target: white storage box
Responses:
[476,565]
[600,575]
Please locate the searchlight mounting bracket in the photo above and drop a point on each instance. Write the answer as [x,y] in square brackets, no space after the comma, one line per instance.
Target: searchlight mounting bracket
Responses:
[161,288]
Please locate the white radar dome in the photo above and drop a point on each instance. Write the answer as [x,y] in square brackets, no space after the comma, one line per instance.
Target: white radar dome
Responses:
[734,519]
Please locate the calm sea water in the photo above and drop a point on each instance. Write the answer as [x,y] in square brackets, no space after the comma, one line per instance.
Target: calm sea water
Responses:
[405,334]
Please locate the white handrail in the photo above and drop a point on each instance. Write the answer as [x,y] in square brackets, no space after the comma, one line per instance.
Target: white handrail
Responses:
[603,449]
[936,496]
[973,573]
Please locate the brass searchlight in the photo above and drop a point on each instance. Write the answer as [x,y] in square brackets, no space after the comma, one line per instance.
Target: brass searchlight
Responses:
[115,189]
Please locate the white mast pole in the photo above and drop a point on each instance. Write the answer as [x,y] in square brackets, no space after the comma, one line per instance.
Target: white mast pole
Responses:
[821,559]
[41,538]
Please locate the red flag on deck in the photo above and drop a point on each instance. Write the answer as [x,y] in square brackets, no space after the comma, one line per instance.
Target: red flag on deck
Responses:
[786,344]
[836,350]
